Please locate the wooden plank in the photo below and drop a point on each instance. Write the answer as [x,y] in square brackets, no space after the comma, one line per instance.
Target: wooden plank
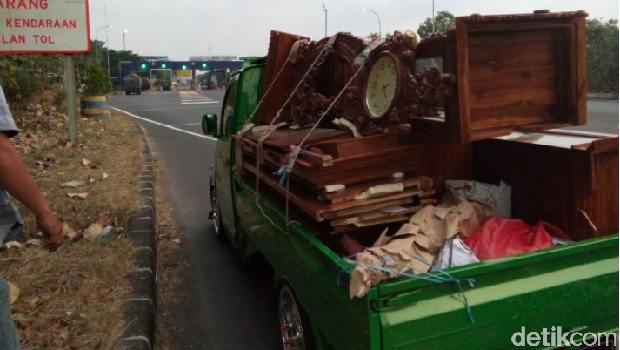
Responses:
[352,219]
[367,208]
[309,204]
[580,133]
[316,157]
[285,137]
[581,117]
[349,193]
[462,54]
[280,44]
[604,145]
[349,147]
[410,154]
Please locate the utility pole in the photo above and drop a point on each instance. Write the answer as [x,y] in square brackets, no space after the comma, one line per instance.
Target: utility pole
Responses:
[433,16]
[209,52]
[325,10]
[96,41]
[107,42]
[378,19]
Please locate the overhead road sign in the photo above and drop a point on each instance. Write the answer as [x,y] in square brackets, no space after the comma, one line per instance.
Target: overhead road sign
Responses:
[213,58]
[44,26]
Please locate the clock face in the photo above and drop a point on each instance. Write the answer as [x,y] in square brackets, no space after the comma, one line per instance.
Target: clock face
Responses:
[381,86]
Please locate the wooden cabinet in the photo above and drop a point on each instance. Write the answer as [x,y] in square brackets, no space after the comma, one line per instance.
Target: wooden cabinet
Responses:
[569,179]
[519,72]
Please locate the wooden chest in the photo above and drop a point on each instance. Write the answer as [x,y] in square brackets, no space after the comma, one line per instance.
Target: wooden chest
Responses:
[569,179]
[518,72]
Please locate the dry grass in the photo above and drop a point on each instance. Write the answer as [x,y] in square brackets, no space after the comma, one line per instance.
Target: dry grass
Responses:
[72,299]
[112,147]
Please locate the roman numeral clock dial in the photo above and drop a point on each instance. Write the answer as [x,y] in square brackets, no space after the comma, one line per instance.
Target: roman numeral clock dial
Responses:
[382,83]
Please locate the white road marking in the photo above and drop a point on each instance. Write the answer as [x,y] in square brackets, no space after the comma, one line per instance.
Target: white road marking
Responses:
[160,109]
[200,103]
[165,125]
[198,100]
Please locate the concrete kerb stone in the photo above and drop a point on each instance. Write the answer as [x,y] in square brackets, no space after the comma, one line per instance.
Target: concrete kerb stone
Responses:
[140,310]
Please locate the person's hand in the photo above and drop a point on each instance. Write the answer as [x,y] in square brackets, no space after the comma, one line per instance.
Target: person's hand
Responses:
[52,230]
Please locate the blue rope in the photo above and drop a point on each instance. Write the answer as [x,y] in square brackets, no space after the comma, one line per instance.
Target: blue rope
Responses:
[421,276]
[282,171]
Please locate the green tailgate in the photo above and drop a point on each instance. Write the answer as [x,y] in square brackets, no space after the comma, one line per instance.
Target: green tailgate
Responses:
[573,287]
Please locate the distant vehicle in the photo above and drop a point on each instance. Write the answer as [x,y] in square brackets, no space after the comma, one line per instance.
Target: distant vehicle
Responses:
[133,84]
[166,83]
[146,84]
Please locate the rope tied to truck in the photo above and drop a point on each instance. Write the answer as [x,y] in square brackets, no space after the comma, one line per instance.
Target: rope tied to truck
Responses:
[295,150]
[420,275]
[247,126]
[271,128]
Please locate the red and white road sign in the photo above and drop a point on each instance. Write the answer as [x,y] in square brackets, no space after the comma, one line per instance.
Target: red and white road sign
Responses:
[44,26]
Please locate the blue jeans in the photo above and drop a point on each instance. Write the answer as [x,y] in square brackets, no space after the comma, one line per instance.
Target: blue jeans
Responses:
[8,334]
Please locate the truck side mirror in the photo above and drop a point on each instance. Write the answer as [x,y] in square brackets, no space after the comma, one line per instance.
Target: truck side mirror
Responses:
[209,124]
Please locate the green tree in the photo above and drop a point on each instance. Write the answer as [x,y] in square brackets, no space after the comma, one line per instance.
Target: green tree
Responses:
[443,21]
[22,76]
[602,55]
[97,81]
[375,35]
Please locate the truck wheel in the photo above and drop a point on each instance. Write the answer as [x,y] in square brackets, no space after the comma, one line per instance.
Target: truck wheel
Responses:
[294,322]
[217,220]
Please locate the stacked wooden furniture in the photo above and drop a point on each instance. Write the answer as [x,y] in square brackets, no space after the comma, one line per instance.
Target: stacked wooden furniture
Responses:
[333,157]
[491,76]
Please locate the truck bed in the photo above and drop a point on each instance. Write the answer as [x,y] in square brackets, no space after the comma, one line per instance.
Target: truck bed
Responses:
[571,286]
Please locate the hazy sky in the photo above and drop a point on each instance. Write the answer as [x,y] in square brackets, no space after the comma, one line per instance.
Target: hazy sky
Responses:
[182,28]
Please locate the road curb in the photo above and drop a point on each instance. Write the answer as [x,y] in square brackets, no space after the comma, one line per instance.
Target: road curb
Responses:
[140,308]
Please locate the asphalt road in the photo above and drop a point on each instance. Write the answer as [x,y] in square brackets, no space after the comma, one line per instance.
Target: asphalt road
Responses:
[602,117]
[229,305]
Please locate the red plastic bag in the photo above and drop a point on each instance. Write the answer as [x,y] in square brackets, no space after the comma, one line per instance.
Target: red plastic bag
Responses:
[498,237]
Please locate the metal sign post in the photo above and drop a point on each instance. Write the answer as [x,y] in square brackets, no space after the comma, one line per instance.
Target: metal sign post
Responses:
[70,88]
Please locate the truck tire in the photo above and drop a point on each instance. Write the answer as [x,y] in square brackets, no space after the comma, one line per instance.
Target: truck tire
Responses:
[294,321]
[127,93]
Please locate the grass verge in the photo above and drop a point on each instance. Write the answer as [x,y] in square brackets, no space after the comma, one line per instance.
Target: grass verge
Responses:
[72,299]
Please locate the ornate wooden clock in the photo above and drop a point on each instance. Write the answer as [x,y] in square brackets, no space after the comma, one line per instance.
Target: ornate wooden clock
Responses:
[382,85]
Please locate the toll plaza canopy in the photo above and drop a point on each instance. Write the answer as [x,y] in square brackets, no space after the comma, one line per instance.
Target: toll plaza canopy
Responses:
[180,65]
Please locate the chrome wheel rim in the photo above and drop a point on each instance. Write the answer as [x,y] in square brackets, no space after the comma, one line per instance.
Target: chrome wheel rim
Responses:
[290,322]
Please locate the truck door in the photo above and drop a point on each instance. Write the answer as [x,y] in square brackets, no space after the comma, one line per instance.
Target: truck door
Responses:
[223,180]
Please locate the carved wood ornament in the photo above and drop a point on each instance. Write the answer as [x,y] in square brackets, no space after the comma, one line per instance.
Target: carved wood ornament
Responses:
[417,95]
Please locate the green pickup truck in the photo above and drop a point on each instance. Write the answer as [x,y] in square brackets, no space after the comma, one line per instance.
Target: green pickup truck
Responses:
[573,286]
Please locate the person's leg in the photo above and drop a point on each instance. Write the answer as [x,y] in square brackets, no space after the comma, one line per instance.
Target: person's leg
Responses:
[8,334]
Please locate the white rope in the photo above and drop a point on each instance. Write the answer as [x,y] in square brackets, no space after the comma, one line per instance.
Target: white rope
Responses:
[270,129]
[328,109]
